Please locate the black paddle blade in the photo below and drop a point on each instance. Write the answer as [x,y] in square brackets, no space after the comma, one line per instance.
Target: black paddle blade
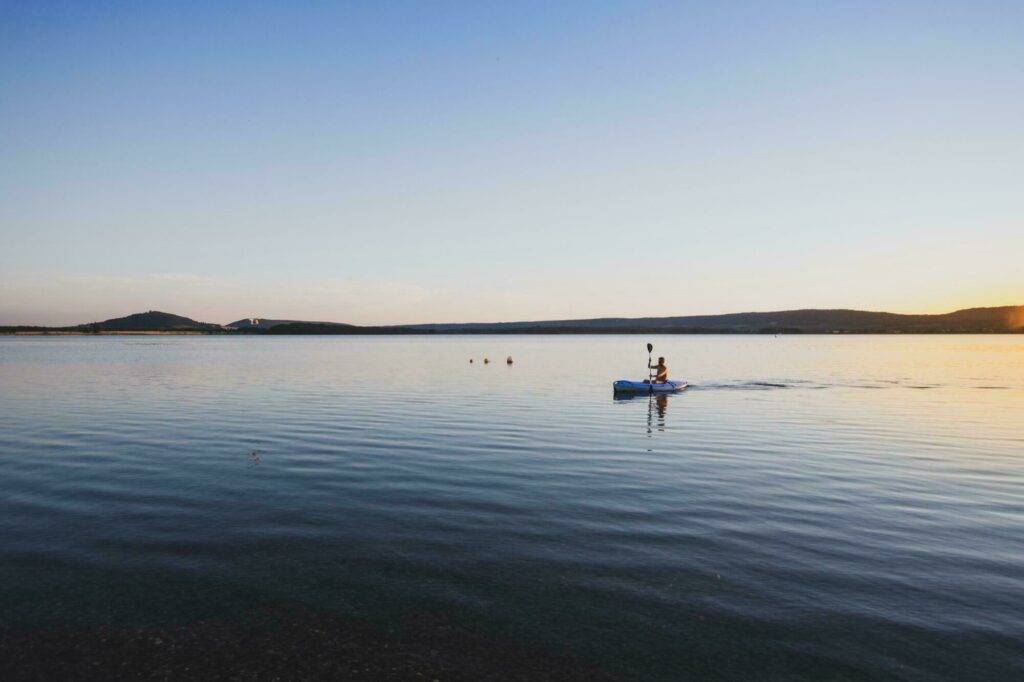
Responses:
[650,348]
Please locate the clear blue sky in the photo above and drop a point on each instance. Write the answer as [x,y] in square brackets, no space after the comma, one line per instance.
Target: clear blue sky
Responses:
[376,162]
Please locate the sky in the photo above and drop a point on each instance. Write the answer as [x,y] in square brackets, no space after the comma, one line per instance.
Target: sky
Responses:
[403,162]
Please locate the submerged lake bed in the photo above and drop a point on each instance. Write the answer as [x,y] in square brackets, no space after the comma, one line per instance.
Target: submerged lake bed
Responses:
[812,507]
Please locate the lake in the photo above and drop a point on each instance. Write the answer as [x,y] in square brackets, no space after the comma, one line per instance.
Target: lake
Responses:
[813,507]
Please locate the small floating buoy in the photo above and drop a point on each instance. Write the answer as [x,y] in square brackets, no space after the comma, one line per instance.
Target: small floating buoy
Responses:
[508,360]
[487,361]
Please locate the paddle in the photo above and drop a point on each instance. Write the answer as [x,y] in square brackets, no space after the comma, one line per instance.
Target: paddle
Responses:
[650,376]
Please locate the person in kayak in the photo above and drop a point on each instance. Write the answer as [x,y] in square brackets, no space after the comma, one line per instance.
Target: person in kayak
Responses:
[662,371]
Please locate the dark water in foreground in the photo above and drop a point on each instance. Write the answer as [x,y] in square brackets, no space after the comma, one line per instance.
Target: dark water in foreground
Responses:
[814,507]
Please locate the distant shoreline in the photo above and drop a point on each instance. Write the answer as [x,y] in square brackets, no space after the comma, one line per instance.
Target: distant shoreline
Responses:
[519,332]
[138,333]
[997,320]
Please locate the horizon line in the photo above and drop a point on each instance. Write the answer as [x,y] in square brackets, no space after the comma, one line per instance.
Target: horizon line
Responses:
[526,321]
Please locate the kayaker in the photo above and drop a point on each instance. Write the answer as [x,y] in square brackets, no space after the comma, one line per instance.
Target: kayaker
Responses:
[662,371]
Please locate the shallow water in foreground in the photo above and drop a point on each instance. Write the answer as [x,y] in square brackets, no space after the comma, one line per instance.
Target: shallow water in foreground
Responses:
[813,507]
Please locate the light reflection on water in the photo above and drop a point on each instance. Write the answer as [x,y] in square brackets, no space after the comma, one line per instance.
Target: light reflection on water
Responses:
[810,506]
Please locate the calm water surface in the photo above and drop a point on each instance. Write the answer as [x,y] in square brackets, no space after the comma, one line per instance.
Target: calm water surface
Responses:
[813,507]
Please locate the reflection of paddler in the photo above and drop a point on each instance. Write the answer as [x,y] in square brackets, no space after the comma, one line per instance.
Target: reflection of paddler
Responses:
[657,403]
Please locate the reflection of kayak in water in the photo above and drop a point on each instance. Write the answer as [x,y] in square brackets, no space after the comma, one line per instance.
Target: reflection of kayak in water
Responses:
[624,386]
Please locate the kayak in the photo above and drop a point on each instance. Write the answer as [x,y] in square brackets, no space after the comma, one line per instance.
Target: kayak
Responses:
[623,386]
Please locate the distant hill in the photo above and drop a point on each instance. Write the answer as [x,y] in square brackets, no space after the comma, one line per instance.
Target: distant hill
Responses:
[152,321]
[1005,319]
[972,320]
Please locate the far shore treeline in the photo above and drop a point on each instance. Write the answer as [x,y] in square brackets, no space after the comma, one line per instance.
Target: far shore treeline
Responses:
[999,320]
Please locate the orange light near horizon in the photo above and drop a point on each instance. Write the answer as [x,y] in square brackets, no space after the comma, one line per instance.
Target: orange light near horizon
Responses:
[1015,319]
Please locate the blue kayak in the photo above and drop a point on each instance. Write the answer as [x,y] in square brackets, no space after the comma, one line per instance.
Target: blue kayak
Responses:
[623,386]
